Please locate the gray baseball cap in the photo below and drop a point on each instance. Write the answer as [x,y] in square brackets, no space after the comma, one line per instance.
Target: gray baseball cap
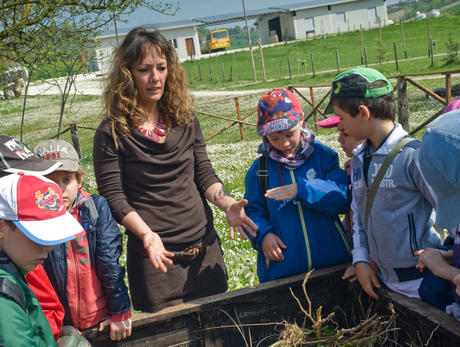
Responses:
[59,151]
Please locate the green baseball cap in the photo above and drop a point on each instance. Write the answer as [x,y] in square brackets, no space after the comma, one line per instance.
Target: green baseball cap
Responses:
[355,83]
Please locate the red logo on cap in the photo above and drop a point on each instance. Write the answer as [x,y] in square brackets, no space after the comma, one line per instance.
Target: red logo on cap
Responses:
[48,200]
[38,199]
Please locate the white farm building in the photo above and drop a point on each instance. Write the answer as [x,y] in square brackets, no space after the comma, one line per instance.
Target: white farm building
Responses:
[321,17]
[183,35]
[290,22]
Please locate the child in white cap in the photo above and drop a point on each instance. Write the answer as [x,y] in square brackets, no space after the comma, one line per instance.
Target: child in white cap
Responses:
[86,273]
[296,208]
[33,219]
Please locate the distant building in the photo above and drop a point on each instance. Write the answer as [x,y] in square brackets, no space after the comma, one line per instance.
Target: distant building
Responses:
[291,22]
[321,17]
[183,35]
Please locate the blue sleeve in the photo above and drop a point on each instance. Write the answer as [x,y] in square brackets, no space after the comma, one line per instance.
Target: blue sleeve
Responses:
[256,208]
[327,192]
[107,255]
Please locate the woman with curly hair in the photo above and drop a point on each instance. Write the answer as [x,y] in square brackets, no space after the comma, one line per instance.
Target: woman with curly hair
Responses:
[151,164]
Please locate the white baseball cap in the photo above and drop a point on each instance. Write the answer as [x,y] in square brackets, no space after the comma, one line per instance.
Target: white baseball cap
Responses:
[36,206]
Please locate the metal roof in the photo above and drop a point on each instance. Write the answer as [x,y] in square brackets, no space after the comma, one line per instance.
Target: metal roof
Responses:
[152,26]
[237,16]
[255,14]
[232,17]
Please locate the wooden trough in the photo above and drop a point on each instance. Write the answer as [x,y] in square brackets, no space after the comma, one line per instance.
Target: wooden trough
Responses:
[252,316]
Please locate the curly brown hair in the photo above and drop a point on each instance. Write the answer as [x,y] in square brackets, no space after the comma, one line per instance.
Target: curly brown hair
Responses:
[120,96]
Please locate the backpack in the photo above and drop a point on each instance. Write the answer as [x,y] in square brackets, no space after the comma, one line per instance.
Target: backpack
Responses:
[262,173]
[11,290]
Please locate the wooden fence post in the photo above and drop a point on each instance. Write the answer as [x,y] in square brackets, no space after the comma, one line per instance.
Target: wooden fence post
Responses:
[223,72]
[312,65]
[75,139]
[337,59]
[210,72]
[259,41]
[403,103]
[431,52]
[238,113]
[396,55]
[361,42]
[365,56]
[448,88]
[403,39]
[231,73]
[289,66]
[313,104]
[199,70]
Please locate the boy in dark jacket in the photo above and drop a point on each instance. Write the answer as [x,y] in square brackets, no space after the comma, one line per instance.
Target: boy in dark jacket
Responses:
[86,273]
[298,226]
[33,219]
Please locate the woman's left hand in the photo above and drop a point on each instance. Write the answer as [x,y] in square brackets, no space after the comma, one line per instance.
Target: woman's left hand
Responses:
[237,219]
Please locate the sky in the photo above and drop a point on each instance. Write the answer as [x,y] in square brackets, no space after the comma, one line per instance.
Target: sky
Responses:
[190,9]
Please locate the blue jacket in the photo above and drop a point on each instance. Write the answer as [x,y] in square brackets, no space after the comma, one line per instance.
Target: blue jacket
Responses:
[308,225]
[105,244]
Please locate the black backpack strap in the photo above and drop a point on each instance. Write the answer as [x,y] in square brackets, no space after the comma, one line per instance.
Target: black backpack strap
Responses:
[12,291]
[262,173]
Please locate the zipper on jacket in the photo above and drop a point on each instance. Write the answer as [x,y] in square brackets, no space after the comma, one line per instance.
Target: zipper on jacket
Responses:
[302,222]
[342,235]
[77,278]
[413,234]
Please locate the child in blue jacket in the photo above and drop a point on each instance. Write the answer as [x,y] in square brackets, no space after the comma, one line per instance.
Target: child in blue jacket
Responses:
[296,213]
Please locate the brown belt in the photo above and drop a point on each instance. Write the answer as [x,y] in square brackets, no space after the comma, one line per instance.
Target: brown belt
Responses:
[191,252]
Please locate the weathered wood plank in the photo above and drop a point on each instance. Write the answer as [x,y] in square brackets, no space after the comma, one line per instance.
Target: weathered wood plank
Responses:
[251,315]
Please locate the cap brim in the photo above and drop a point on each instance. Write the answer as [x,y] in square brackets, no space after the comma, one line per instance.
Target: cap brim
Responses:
[330,122]
[51,232]
[35,166]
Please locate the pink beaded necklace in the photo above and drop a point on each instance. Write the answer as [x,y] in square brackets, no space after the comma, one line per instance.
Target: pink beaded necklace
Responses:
[159,130]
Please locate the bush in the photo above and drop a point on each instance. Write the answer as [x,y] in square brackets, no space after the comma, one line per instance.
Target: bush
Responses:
[452,49]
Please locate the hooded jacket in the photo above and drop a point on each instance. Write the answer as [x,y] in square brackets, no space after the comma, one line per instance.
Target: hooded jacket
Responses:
[400,220]
[308,225]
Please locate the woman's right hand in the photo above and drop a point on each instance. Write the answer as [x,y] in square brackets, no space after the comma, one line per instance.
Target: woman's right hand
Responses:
[156,251]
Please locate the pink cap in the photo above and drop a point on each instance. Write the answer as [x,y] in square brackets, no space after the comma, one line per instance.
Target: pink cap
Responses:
[453,105]
[329,122]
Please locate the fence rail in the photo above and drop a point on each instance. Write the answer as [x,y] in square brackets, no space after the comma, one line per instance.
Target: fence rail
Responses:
[317,107]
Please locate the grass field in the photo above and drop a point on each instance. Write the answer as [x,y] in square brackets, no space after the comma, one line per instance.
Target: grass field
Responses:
[324,54]
[230,156]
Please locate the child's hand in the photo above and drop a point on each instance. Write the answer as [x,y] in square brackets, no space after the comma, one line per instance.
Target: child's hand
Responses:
[271,246]
[456,281]
[350,274]
[367,278]
[430,258]
[118,330]
[287,192]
